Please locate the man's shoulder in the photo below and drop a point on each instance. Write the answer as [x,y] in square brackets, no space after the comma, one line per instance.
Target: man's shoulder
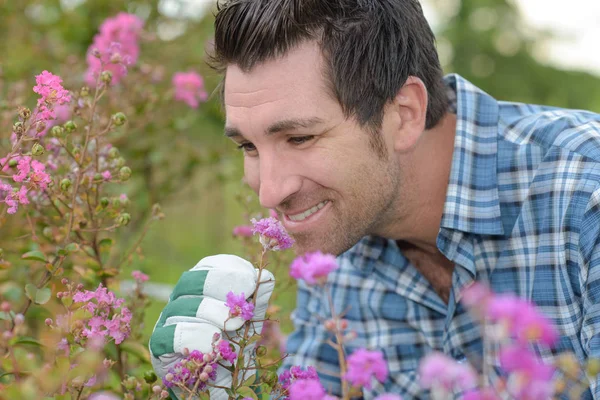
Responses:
[551,128]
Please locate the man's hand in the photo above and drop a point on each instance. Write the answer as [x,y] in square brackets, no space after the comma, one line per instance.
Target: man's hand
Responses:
[197,310]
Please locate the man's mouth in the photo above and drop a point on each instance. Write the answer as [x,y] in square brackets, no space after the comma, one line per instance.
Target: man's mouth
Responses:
[305,214]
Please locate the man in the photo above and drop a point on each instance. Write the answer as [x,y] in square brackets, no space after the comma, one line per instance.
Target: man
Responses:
[421,184]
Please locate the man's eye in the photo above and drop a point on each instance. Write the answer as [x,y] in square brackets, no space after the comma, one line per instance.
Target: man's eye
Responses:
[247,147]
[300,139]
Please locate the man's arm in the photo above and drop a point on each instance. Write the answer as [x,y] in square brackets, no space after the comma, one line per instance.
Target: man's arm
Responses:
[590,277]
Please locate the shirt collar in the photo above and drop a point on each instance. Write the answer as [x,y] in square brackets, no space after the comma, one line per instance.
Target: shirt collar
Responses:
[472,203]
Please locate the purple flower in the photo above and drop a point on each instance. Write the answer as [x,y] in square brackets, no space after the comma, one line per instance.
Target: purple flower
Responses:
[226,351]
[286,378]
[363,365]
[313,267]
[272,234]
[481,394]
[306,389]
[534,378]
[238,306]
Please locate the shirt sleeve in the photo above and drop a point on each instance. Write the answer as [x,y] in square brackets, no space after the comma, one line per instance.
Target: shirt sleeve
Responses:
[307,345]
[590,276]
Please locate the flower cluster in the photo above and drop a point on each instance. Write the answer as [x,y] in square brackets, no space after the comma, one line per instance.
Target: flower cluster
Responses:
[439,372]
[364,365]
[313,267]
[239,307]
[108,315]
[115,47]
[52,96]
[197,369]
[189,88]
[272,234]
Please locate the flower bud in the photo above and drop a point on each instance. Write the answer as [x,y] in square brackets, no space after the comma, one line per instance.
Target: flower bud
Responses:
[329,325]
[269,377]
[64,281]
[18,128]
[70,126]
[185,352]
[37,149]
[98,176]
[77,381]
[157,211]
[113,153]
[7,335]
[80,287]
[5,306]
[48,321]
[208,369]
[84,92]
[119,119]
[96,53]
[261,351]
[24,113]
[203,377]
[76,151]
[156,389]
[104,202]
[19,319]
[47,232]
[343,324]
[207,357]
[169,377]
[150,377]
[65,184]
[164,394]
[593,366]
[106,77]
[40,126]
[123,219]
[119,162]
[12,162]
[125,173]
[57,131]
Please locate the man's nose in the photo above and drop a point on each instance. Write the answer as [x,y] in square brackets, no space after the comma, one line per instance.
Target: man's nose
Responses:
[277,181]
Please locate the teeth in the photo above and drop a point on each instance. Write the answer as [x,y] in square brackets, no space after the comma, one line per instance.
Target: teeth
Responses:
[302,216]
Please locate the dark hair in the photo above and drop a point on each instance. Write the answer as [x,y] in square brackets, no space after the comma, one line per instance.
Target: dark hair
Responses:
[370,47]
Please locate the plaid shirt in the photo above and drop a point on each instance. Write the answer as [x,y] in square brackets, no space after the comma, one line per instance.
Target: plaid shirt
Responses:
[522,213]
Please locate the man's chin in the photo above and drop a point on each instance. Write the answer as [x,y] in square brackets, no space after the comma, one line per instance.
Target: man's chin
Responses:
[310,246]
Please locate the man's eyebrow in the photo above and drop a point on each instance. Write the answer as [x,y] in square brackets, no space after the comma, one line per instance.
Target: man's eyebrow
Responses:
[279,126]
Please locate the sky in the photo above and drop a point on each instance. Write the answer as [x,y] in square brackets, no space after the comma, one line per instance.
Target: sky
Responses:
[575,24]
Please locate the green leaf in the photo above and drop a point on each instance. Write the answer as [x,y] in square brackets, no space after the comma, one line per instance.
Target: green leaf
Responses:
[6,316]
[245,391]
[43,295]
[254,338]
[250,380]
[72,247]
[62,252]
[30,291]
[34,255]
[28,340]
[137,349]
[105,242]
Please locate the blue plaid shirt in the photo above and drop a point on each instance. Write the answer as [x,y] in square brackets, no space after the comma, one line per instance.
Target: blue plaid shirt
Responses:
[522,213]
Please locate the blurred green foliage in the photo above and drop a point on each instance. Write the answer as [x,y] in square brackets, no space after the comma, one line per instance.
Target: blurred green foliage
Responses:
[483,40]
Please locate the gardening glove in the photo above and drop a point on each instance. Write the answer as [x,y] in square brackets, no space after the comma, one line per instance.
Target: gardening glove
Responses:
[196,311]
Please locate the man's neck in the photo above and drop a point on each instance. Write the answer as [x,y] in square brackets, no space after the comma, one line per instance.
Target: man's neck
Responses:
[429,165]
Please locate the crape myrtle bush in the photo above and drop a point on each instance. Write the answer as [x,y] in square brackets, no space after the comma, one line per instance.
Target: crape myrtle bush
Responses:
[66,332]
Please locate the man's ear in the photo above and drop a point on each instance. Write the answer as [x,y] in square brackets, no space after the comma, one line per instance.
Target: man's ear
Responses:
[411,106]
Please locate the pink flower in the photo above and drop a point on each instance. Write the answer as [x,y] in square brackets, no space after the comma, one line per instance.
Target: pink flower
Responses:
[437,369]
[534,377]
[103,396]
[139,276]
[106,175]
[189,88]
[481,394]
[313,267]
[522,319]
[364,365]
[238,306]
[51,91]
[388,396]
[242,231]
[118,45]
[226,351]
[272,234]
[306,389]
[13,197]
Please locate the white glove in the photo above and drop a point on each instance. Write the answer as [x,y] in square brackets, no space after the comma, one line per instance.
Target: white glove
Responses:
[196,311]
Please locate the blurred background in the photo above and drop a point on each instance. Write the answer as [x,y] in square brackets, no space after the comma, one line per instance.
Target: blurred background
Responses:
[536,51]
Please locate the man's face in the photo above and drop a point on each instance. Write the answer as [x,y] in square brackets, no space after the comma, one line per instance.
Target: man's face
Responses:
[304,159]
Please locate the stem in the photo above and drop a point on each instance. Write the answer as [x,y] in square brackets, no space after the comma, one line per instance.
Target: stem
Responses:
[339,347]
